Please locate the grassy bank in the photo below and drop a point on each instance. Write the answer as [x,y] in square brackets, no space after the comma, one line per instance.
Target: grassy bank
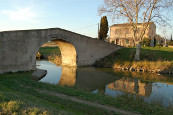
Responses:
[20,94]
[152,59]
[49,51]
[53,54]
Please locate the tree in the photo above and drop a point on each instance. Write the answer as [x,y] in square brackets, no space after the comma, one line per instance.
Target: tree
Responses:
[137,11]
[103,28]
[171,38]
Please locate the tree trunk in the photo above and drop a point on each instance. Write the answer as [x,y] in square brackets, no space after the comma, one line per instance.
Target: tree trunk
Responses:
[138,50]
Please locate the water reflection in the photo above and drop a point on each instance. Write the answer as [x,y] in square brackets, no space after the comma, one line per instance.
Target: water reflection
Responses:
[90,79]
[68,76]
[53,72]
[109,82]
[131,85]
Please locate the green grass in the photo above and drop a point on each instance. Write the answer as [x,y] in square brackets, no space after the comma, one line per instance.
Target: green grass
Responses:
[19,88]
[151,58]
[49,51]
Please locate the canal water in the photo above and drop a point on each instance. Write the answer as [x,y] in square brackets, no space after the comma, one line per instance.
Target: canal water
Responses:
[106,81]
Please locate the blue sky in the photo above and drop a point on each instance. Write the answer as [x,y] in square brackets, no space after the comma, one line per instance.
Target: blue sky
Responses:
[75,15]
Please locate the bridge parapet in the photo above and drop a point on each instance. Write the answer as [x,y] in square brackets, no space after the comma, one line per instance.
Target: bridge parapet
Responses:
[18,49]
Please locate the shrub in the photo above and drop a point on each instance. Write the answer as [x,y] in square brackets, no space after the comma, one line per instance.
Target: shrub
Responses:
[146,42]
[170,43]
[159,45]
[10,107]
[15,108]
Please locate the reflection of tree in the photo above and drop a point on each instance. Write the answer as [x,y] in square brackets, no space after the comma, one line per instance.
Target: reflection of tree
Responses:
[148,89]
[136,88]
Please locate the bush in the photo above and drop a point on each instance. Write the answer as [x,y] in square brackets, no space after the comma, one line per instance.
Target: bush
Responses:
[15,108]
[170,43]
[146,42]
[10,107]
[159,45]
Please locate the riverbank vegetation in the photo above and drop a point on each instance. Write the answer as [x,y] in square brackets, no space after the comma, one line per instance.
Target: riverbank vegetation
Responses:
[20,94]
[153,59]
[53,54]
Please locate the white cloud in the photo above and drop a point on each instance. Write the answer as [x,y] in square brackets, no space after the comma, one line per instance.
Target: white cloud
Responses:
[25,14]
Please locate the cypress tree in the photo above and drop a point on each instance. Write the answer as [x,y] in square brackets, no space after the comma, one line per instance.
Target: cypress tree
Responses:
[171,38]
[103,28]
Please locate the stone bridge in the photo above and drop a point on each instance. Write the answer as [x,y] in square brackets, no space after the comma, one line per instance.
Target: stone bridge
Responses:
[18,49]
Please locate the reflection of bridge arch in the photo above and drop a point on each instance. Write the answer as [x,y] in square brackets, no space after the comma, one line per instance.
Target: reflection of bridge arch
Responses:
[19,48]
[68,76]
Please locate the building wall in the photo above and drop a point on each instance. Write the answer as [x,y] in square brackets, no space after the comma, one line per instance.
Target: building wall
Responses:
[122,34]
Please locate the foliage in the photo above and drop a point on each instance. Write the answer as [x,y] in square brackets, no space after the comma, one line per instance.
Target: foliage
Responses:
[15,107]
[103,28]
[171,38]
[55,59]
[49,51]
[146,42]
[53,54]
[170,43]
[159,45]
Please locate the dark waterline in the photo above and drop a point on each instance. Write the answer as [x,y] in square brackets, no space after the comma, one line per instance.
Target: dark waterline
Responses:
[108,82]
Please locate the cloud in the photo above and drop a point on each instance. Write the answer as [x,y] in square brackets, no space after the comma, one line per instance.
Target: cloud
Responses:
[25,14]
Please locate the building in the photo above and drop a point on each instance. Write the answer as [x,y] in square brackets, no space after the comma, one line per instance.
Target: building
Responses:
[122,34]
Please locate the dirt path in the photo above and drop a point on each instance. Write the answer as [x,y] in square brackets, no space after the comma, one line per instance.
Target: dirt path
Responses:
[71,98]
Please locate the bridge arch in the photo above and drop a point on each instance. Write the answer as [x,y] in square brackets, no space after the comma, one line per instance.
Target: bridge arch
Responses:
[18,48]
[68,52]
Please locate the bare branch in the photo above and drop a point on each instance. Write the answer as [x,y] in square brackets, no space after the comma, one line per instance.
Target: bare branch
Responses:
[137,11]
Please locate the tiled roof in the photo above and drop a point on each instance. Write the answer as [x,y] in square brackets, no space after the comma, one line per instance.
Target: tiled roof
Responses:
[128,24]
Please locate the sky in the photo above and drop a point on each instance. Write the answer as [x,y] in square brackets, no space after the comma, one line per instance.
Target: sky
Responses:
[79,16]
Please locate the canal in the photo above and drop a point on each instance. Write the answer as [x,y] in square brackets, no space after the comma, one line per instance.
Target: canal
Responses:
[106,81]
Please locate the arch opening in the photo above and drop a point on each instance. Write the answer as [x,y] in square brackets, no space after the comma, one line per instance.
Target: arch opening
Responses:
[65,55]
[68,52]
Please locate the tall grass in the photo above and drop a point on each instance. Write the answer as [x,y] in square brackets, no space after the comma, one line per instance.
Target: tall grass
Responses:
[15,108]
[146,65]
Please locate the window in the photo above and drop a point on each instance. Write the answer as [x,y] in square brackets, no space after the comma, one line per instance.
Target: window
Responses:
[127,41]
